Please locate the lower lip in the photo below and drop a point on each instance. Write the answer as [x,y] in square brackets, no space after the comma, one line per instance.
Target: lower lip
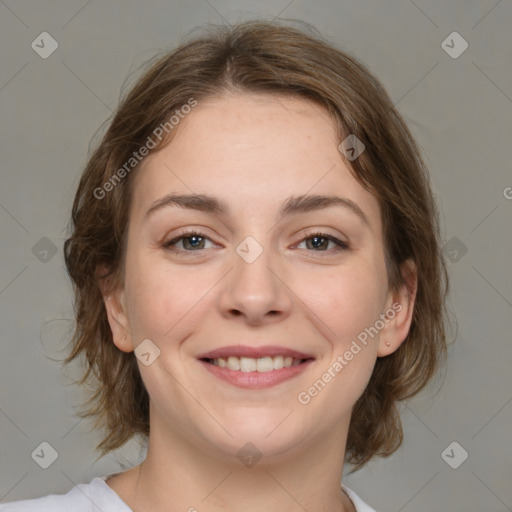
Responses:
[256,380]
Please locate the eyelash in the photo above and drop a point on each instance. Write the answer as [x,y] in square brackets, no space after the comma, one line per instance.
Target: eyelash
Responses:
[342,246]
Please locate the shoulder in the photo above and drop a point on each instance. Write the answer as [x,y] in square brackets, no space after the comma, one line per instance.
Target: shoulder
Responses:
[95,495]
[73,500]
[359,504]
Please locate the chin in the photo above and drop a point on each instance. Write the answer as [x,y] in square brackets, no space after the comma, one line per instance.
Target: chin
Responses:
[257,435]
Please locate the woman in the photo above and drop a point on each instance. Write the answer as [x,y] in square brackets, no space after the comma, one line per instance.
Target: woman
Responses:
[258,276]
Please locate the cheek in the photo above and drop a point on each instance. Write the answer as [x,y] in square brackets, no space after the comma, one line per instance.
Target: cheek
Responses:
[160,297]
[347,300]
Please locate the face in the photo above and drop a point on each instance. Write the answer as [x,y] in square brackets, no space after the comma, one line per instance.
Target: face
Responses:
[249,270]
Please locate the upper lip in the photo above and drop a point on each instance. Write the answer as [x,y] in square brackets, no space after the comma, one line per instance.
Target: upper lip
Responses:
[254,352]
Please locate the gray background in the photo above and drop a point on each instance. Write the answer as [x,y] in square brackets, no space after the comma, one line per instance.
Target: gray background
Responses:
[460,110]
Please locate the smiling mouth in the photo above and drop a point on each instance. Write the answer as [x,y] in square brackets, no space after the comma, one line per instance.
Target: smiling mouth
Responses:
[260,365]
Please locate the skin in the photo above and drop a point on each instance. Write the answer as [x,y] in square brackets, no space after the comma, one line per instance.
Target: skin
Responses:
[253,152]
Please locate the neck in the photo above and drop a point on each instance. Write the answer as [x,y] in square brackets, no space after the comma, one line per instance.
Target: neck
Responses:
[177,475]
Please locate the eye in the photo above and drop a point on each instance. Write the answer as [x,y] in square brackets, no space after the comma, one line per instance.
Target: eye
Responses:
[194,241]
[319,242]
[191,241]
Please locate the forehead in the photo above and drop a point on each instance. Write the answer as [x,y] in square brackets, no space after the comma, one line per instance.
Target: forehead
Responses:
[252,150]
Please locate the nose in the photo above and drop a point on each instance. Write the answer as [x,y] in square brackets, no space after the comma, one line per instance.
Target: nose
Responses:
[256,292]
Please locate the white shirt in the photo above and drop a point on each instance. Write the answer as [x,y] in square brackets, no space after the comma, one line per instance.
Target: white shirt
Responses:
[97,496]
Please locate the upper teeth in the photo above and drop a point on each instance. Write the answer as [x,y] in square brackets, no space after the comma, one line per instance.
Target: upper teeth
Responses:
[262,364]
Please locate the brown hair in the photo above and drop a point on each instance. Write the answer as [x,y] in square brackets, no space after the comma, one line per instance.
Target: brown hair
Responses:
[272,58]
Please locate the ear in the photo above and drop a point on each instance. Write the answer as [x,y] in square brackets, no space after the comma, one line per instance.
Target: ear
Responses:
[399,311]
[115,305]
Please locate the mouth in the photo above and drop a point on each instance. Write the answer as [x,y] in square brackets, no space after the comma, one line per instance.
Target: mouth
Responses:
[252,368]
[261,364]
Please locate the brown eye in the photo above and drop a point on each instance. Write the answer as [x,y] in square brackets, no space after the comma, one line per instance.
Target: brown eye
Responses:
[193,242]
[317,242]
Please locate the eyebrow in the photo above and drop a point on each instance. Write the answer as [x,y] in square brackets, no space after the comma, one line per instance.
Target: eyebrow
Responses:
[292,205]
